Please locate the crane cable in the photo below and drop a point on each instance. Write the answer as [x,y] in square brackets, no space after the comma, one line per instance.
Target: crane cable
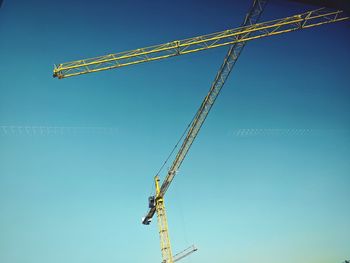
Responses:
[172,151]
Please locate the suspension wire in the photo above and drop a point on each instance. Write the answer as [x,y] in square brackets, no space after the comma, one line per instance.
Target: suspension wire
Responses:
[172,151]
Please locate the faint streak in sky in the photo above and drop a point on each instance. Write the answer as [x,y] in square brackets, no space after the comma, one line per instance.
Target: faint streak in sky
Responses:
[249,132]
[55,130]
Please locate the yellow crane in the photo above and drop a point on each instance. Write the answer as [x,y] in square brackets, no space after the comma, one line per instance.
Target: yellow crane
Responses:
[156,202]
[236,38]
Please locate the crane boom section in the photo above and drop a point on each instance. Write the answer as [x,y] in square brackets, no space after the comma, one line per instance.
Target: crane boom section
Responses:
[203,111]
[180,47]
[225,69]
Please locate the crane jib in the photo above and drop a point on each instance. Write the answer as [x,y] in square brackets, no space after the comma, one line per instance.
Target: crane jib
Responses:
[181,47]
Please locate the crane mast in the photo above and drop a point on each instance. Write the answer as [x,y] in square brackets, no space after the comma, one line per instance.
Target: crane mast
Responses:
[165,247]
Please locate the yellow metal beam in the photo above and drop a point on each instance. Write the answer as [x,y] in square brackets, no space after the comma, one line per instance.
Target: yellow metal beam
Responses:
[180,47]
[167,256]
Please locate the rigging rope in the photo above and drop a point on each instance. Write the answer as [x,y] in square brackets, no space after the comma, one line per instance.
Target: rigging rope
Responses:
[172,151]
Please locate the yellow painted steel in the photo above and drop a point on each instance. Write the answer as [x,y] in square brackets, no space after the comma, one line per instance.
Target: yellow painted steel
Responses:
[180,47]
[165,247]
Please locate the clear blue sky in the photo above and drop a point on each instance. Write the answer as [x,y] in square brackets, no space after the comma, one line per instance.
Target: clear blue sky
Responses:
[80,198]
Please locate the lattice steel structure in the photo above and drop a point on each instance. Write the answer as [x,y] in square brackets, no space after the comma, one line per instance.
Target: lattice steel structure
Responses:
[229,61]
[247,32]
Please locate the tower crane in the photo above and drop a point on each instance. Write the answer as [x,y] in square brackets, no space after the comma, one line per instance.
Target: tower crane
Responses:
[236,39]
[156,202]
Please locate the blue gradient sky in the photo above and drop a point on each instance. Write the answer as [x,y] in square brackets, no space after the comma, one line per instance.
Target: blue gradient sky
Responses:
[80,198]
